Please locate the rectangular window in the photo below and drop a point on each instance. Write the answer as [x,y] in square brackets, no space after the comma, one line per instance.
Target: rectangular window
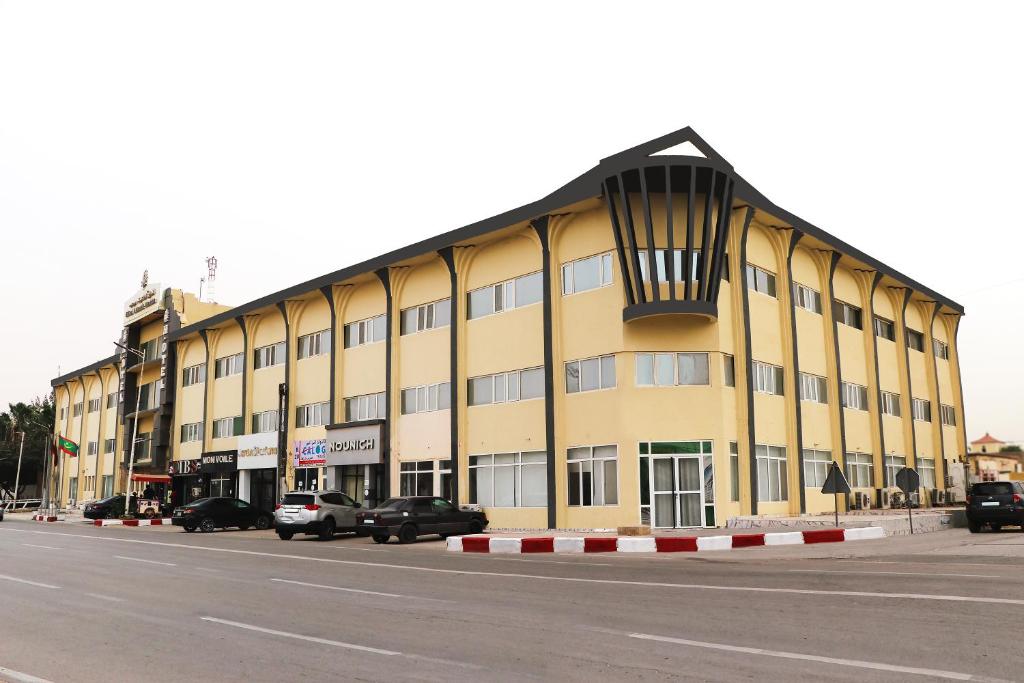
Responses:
[673,369]
[94,405]
[426,317]
[265,421]
[194,374]
[915,340]
[696,264]
[227,426]
[593,475]
[760,280]
[772,475]
[108,445]
[768,379]
[848,314]
[813,388]
[367,331]
[807,298]
[108,485]
[734,472]
[590,374]
[891,404]
[521,291]
[92,448]
[860,469]
[73,488]
[230,365]
[416,478]
[365,407]
[729,368]
[816,466]
[926,468]
[506,387]
[266,356]
[922,410]
[314,344]
[941,349]
[948,415]
[77,412]
[426,399]
[509,479]
[886,329]
[855,396]
[313,415]
[893,464]
[587,273]
[63,412]
[192,431]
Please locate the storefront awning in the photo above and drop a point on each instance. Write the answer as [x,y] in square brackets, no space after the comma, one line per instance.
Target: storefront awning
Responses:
[156,478]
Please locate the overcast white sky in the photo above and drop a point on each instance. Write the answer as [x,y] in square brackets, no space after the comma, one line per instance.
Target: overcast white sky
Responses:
[292,139]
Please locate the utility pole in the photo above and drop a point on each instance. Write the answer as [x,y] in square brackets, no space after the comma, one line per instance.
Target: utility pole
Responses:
[135,425]
[17,476]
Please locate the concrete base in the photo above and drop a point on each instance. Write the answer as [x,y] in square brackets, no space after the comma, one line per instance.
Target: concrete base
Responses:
[633,531]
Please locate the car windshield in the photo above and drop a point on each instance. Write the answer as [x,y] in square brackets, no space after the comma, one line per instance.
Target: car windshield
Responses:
[109,501]
[200,501]
[298,499]
[993,488]
[393,504]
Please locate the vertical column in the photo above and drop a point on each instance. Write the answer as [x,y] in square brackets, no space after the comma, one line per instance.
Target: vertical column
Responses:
[448,256]
[881,477]
[832,337]
[958,387]
[328,292]
[907,389]
[747,420]
[246,412]
[794,362]
[540,225]
[932,363]
[100,433]
[207,388]
[384,486]
[284,393]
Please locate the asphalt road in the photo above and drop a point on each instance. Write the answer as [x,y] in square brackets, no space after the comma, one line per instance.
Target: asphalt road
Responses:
[88,604]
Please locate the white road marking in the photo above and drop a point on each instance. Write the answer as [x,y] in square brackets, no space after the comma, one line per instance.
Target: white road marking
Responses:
[356,590]
[299,636]
[834,571]
[567,579]
[100,596]
[26,581]
[857,663]
[139,559]
[19,677]
[47,547]
[990,565]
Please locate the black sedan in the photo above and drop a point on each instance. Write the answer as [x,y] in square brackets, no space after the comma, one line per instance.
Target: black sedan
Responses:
[207,514]
[104,508]
[995,503]
[412,516]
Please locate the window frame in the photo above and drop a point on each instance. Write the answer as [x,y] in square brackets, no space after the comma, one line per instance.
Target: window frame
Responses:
[762,371]
[313,344]
[365,331]
[518,464]
[820,388]
[426,316]
[813,457]
[593,460]
[861,392]
[233,364]
[884,328]
[605,267]
[807,298]
[771,281]
[774,463]
[308,414]
[652,358]
[602,372]
[890,404]
[426,395]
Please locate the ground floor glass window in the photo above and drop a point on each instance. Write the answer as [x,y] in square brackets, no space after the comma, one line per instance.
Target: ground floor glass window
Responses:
[108,485]
[417,478]
[893,464]
[222,485]
[509,479]
[308,479]
[677,484]
[860,470]
[593,475]
[926,468]
[772,474]
[816,466]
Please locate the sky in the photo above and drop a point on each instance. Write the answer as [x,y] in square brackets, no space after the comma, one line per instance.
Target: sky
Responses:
[293,139]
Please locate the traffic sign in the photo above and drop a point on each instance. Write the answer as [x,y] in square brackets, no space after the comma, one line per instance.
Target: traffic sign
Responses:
[836,481]
[908,480]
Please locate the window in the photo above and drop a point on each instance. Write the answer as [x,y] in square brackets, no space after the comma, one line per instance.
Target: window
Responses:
[194,374]
[94,405]
[590,374]
[92,448]
[426,317]
[73,488]
[813,388]
[366,331]
[860,469]
[922,410]
[734,472]
[365,407]
[266,421]
[941,349]
[848,314]
[671,369]
[63,412]
[729,368]
[227,426]
[772,476]
[768,379]
[947,414]
[816,466]
[314,344]
[696,264]
[505,387]
[313,415]
[266,356]
[586,273]
[426,399]
[886,329]
[915,340]
[593,475]
[230,365]
[807,298]
[192,431]
[444,468]
[108,486]
[150,350]
[90,483]
[926,468]
[77,412]
[509,479]
[891,404]
[893,464]
[855,396]
[108,445]
[417,478]
[760,280]
[522,291]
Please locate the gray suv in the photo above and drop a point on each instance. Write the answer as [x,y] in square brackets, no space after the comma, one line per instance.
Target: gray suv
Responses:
[315,513]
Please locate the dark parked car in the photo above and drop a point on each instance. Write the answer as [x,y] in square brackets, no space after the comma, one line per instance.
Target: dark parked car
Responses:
[104,508]
[996,503]
[207,514]
[413,516]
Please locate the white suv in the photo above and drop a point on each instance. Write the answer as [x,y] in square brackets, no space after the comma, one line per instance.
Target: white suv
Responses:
[319,513]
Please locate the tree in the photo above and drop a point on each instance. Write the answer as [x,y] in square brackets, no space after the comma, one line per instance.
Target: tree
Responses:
[1010,449]
[35,419]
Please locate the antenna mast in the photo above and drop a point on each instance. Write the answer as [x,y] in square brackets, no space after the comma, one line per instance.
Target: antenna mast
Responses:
[211,268]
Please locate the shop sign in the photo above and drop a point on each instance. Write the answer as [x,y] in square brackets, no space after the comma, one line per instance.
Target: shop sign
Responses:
[257,451]
[183,467]
[218,461]
[142,303]
[354,445]
[310,453]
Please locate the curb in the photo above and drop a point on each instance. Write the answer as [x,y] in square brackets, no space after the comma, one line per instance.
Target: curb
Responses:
[653,544]
[43,518]
[127,522]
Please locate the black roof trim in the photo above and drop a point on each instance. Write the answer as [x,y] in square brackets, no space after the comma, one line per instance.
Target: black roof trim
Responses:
[585,186]
[88,369]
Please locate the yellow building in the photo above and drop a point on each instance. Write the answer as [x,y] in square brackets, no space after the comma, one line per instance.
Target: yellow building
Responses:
[653,343]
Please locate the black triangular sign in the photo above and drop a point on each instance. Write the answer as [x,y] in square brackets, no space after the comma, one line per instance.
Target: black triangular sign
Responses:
[835,482]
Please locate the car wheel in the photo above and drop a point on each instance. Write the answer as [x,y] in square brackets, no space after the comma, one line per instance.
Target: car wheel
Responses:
[150,513]
[475,527]
[285,535]
[189,528]
[407,534]
[207,525]
[973,527]
[997,527]
[262,523]
[380,538]
[327,530]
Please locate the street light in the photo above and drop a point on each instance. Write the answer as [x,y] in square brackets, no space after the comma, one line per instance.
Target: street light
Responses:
[135,423]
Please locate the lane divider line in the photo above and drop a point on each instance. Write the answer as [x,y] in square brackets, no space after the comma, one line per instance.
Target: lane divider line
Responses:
[15,579]
[139,559]
[19,677]
[299,636]
[867,573]
[47,547]
[355,590]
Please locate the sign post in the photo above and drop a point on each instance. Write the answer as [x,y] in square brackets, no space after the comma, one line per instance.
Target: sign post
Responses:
[908,480]
[836,483]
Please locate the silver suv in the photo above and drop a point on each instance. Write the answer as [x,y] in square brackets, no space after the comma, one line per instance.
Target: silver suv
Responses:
[315,513]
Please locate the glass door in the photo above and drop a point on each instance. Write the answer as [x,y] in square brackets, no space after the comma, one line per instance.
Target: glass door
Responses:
[663,489]
[689,491]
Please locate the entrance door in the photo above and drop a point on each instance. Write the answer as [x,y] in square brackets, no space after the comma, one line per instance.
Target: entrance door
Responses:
[261,489]
[677,486]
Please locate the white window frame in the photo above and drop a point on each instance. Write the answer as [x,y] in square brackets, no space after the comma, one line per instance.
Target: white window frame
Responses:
[313,344]
[914,334]
[224,427]
[893,464]
[603,380]
[926,469]
[501,387]
[855,396]
[816,467]
[860,470]
[940,348]
[577,458]
[92,448]
[268,356]
[362,332]
[769,379]
[193,374]
[232,364]
[664,360]
[770,277]
[365,407]
[191,431]
[813,388]
[426,317]
[478,461]
[109,445]
[947,414]
[777,472]
[313,414]
[848,314]
[605,271]
[921,409]
[266,421]
[807,298]
[677,264]
[891,404]
[429,398]
[503,296]
[884,328]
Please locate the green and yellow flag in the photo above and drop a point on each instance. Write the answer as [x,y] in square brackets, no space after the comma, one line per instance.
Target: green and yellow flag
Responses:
[68,446]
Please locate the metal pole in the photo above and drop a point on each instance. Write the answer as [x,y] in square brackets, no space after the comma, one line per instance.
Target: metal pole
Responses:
[910,514]
[17,476]
[837,510]
[135,431]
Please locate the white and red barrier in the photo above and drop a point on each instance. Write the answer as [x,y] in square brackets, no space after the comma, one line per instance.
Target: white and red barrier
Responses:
[128,522]
[44,518]
[653,544]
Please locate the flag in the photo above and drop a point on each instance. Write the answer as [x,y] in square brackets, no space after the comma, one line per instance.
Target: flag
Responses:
[68,446]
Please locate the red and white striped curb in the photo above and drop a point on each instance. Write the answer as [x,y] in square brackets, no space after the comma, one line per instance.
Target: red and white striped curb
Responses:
[653,544]
[127,522]
[44,518]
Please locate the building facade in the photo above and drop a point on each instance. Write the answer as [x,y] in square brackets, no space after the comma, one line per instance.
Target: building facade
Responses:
[653,343]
